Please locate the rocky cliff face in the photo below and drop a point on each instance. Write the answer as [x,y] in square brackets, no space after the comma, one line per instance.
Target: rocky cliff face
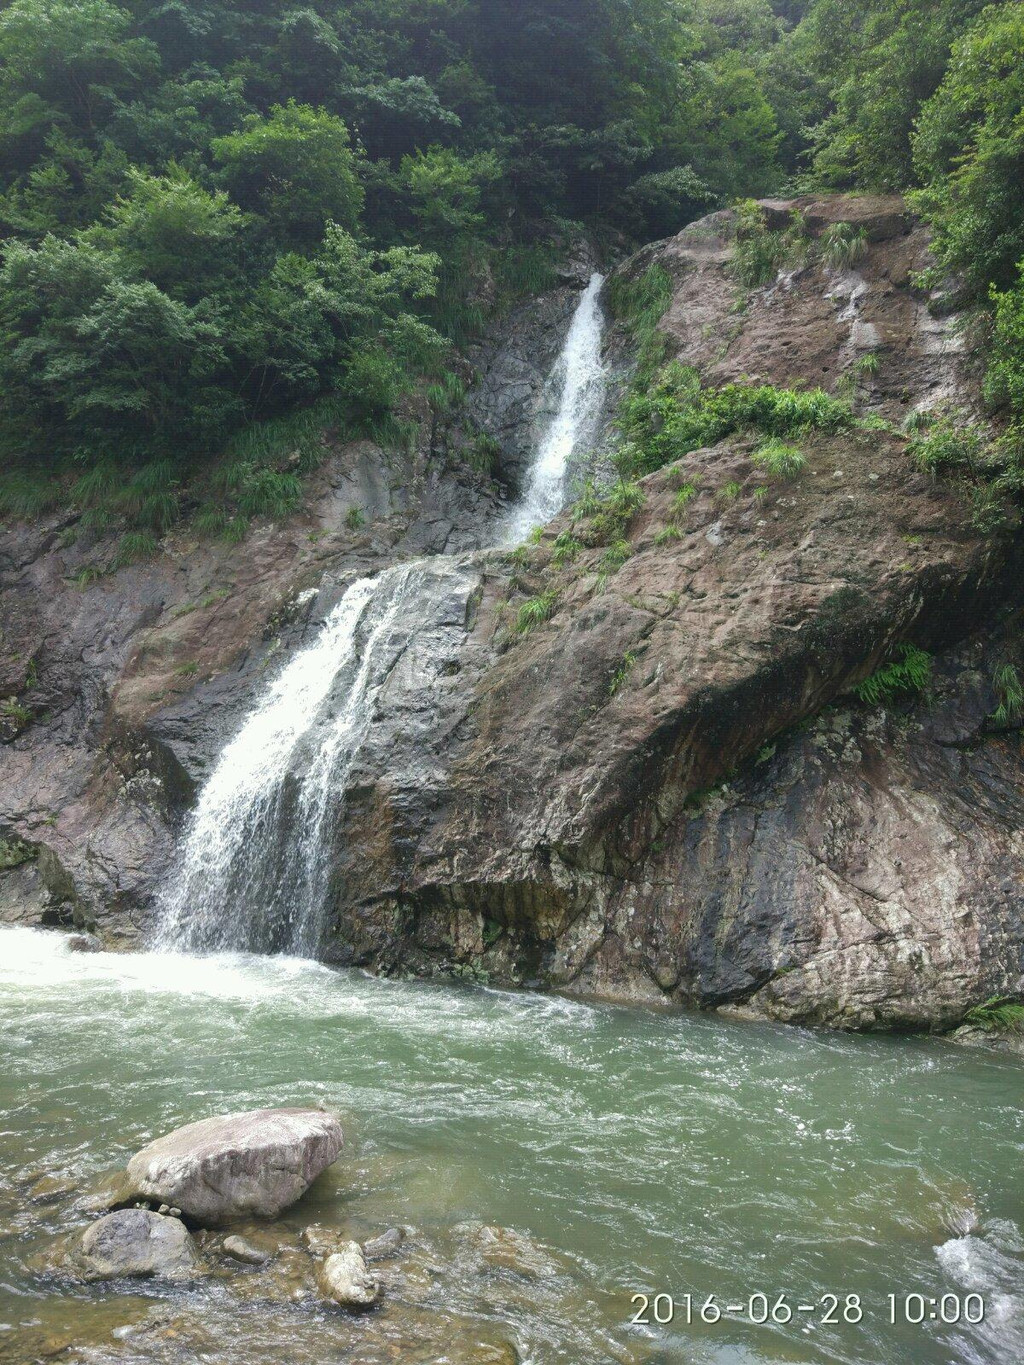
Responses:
[664,791]
[120,688]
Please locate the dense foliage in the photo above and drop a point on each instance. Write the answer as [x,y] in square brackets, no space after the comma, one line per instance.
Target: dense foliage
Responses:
[217,215]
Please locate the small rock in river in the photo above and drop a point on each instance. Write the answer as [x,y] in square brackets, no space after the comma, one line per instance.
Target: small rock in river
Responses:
[345,1278]
[241,1250]
[85,943]
[49,1188]
[387,1244]
[321,1241]
[135,1242]
[500,1248]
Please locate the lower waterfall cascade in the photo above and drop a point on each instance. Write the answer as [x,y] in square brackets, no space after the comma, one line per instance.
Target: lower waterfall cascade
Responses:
[254,859]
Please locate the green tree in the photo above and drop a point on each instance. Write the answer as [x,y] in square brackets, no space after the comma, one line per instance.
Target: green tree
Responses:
[445,190]
[1004,383]
[969,152]
[181,117]
[68,187]
[96,362]
[295,168]
[64,62]
[878,62]
[172,231]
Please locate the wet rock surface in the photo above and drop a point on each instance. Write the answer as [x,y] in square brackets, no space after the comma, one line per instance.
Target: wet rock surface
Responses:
[346,1279]
[625,802]
[387,1245]
[236,1165]
[241,1250]
[135,1242]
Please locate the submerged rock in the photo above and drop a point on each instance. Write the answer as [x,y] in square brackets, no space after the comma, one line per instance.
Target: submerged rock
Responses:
[345,1278]
[48,1189]
[497,1248]
[386,1245]
[135,1242]
[234,1165]
[241,1250]
[321,1241]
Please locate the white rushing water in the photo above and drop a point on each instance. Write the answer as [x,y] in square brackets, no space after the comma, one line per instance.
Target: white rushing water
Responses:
[254,861]
[579,372]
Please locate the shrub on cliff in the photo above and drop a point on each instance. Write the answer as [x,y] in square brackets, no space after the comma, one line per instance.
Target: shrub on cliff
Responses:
[677,416]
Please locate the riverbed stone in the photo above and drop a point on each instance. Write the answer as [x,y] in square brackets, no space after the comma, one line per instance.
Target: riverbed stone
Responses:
[136,1242]
[494,1248]
[48,1189]
[345,1278]
[321,1241]
[236,1165]
[241,1250]
[381,1248]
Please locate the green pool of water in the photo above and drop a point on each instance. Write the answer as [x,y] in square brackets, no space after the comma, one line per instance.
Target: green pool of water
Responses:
[634,1152]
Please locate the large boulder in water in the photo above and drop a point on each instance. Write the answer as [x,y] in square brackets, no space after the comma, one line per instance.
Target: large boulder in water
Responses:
[236,1165]
[135,1242]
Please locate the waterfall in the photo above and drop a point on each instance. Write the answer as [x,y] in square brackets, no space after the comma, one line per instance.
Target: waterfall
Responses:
[254,861]
[579,375]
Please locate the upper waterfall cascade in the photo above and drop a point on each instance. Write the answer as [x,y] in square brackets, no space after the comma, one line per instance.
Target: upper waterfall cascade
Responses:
[254,861]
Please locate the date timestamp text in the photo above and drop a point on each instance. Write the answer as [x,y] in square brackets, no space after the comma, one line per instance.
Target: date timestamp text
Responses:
[829,1310]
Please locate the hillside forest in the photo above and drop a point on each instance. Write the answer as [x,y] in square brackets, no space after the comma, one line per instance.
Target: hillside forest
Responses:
[227,227]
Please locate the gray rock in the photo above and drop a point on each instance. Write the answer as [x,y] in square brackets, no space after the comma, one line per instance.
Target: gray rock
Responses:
[85,943]
[386,1245]
[135,1242]
[344,1277]
[320,1241]
[241,1250]
[235,1165]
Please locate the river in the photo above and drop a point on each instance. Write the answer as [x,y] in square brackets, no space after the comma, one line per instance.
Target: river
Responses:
[638,1151]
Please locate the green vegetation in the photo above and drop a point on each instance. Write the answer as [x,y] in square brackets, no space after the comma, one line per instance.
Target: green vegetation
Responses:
[843,245]
[910,675]
[13,853]
[483,453]
[535,611]
[220,222]
[947,445]
[232,232]
[615,556]
[778,460]
[760,252]
[998,1012]
[641,304]
[676,416]
[1008,684]
[567,547]
[13,710]
[683,497]
[868,365]
[623,671]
